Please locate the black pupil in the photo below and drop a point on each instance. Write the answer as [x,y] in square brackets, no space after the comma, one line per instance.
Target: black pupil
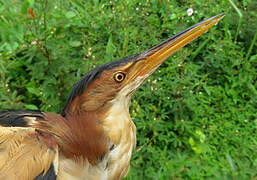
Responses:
[119,77]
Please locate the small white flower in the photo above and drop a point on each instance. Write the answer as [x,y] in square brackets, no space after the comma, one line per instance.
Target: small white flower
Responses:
[55,7]
[190,11]
[33,42]
[137,9]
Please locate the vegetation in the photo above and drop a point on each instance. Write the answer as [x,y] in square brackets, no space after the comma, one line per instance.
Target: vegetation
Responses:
[196,116]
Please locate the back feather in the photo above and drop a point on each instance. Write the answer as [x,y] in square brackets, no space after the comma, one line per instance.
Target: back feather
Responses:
[19,118]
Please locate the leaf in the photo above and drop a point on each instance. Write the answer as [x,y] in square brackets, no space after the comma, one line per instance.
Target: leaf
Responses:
[33,91]
[31,3]
[191,142]
[31,107]
[173,16]
[70,14]
[75,43]
[110,48]
[231,163]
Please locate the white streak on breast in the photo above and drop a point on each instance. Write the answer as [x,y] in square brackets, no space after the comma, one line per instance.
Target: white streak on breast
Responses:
[121,131]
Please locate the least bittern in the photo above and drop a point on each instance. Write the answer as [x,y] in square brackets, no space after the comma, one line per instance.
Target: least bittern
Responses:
[94,136]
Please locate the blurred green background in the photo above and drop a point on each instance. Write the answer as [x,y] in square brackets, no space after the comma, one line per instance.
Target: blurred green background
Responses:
[196,116]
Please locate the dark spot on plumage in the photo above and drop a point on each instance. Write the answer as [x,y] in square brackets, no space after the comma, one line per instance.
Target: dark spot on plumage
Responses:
[106,167]
[38,139]
[112,147]
[50,174]
[101,158]
[17,118]
[82,84]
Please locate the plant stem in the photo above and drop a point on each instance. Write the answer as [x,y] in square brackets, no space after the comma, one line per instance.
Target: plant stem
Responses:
[240,17]
[251,46]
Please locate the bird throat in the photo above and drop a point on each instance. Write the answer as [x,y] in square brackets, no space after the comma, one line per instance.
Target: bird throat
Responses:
[122,133]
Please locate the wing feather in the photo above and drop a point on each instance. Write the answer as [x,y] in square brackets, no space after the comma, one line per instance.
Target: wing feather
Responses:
[25,153]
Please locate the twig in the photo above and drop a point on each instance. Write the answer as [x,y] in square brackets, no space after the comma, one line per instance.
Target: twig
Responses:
[45,38]
[141,147]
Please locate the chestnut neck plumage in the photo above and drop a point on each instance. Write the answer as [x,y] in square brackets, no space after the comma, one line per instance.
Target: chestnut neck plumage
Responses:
[79,137]
[103,138]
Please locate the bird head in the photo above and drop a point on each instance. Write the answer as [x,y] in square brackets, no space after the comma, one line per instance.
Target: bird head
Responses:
[116,81]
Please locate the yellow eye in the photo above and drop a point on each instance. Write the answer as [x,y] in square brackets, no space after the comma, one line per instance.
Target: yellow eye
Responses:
[119,76]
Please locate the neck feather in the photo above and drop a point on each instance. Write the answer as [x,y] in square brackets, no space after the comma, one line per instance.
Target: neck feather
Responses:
[78,136]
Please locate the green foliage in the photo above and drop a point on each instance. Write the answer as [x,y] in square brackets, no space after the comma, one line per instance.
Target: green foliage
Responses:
[196,116]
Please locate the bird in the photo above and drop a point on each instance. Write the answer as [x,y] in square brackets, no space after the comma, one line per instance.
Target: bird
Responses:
[93,137]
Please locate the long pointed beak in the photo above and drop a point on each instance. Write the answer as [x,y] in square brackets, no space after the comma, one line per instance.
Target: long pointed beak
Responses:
[155,56]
